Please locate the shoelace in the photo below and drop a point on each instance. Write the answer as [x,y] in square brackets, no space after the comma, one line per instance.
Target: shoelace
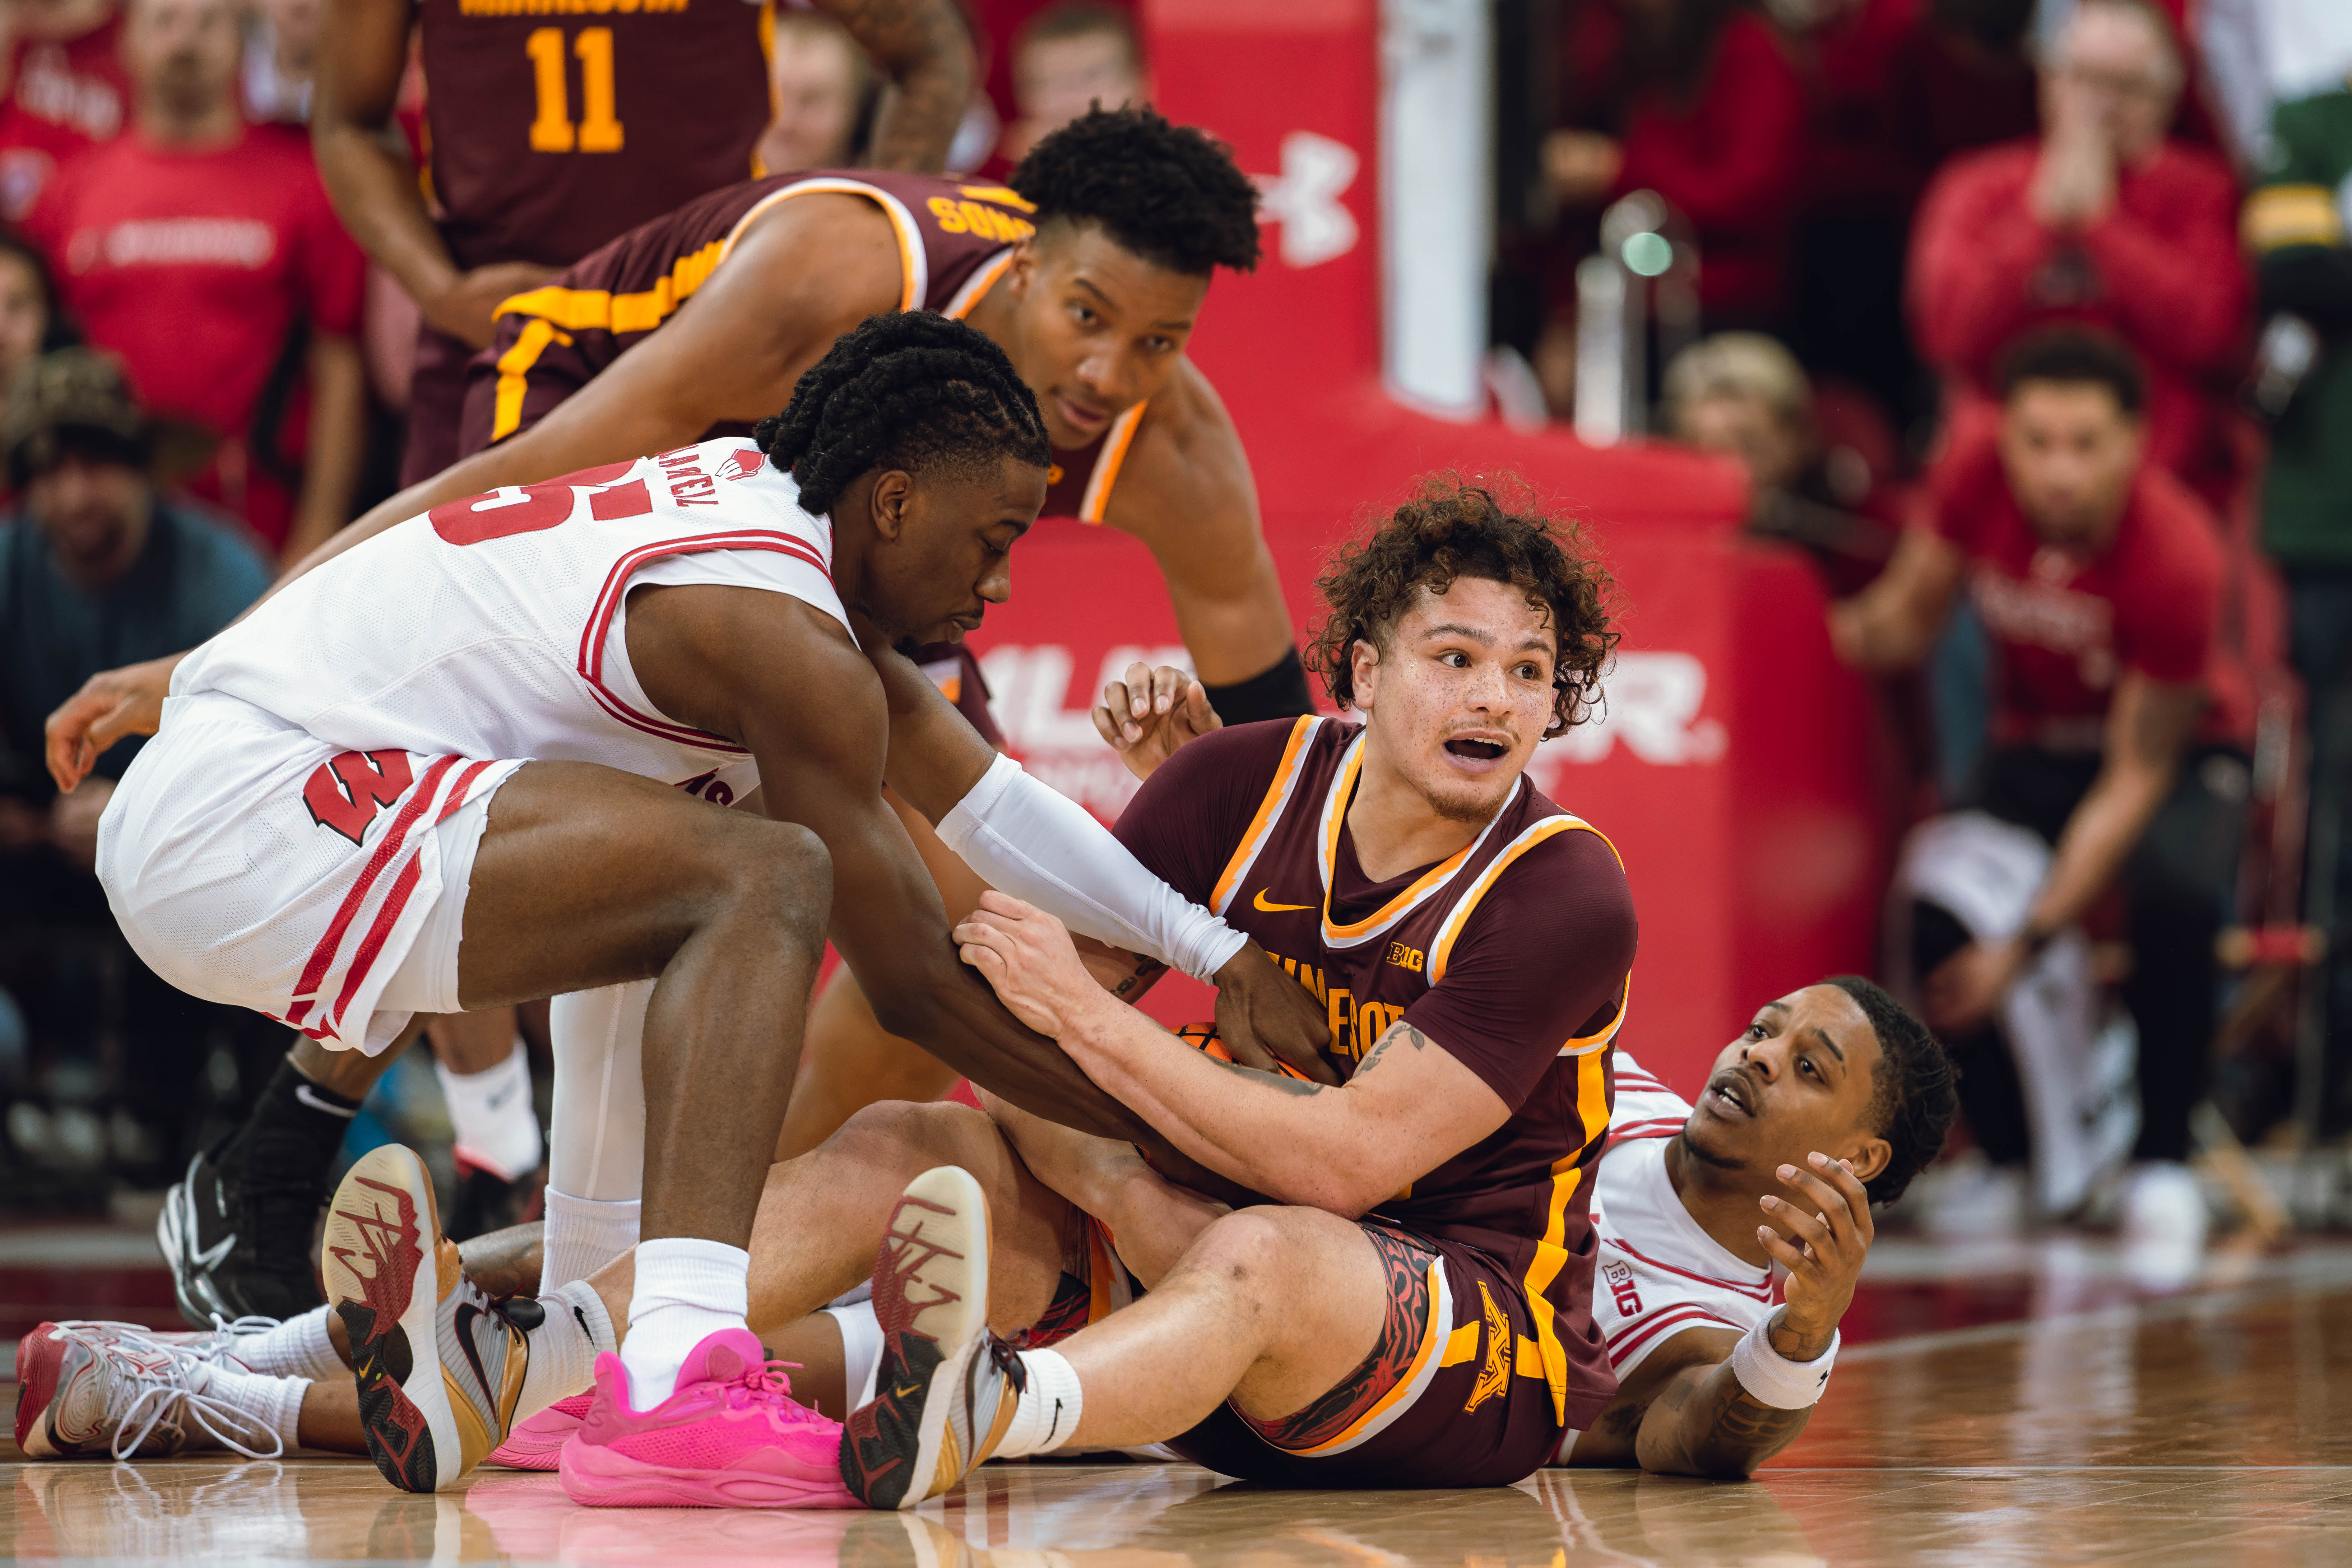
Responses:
[227,1333]
[770,1384]
[150,1387]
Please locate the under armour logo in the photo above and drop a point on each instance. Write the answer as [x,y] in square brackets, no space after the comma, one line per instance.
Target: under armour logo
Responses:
[1304,198]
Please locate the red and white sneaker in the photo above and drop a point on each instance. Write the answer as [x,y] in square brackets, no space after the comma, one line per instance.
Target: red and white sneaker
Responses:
[92,1390]
[536,1440]
[730,1436]
[440,1365]
[945,1388]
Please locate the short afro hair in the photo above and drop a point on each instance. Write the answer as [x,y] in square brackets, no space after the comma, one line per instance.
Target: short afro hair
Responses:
[1911,1099]
[910,391]
[1171,194]
[1451,530]
[2073,357]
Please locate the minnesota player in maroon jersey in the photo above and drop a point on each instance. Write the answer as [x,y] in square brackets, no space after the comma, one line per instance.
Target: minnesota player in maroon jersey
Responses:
[548,133]
[1089,270]
[1416,1310]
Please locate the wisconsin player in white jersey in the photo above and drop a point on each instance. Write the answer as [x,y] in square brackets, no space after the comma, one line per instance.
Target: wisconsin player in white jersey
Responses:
[437,774]
[1831,1100]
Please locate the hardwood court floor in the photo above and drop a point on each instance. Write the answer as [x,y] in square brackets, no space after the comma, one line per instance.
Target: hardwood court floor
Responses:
[2209,1429]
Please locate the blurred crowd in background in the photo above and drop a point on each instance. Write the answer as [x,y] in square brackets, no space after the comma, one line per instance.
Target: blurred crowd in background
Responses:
[2030,321]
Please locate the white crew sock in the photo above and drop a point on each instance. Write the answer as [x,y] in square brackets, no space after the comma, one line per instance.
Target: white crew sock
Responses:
[687,1289]
[861,1349]
[1047,1416]
[583,1235]
[492,1117]
[269,1406]
[299,1347]
[563,1349]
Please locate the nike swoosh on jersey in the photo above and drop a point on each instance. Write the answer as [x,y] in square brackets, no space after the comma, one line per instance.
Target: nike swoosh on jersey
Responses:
[1259,902]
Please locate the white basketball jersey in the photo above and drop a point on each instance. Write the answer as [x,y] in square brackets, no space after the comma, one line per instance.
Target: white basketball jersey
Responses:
[1658,1272]
[495,626]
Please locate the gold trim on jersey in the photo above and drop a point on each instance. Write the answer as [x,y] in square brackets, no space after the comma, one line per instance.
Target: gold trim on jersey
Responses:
[1551,1256]
[1278,795]
[1335,819]
[514,373]
[1116,442]
[601,310]
[2281,215]
[982,280]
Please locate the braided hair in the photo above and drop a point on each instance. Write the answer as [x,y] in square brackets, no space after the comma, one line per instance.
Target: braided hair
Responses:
[910,391]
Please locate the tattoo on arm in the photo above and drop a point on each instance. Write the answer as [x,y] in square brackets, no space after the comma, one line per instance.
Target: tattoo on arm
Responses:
[1277,1080]
[1406,1032]
[1721,1429]
[1145,971]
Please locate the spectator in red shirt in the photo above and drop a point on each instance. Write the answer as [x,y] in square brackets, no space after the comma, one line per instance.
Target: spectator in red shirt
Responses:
[2117,731]
[202,252]
[2101,220]
[65,91]
[1714,123]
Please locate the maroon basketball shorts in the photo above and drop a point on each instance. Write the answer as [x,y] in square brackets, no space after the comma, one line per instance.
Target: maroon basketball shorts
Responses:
[530,367]
[437,401]
[1452,1395]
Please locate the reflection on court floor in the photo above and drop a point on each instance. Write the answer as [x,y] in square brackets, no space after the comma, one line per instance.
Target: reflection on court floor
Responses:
[2208,1427]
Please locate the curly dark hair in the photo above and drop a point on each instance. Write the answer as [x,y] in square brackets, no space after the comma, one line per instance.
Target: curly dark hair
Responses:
[1449,529]
[908,390]
[1912,1098]
[1171,194]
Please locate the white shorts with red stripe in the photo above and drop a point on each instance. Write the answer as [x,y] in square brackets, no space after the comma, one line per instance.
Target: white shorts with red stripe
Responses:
[250,863]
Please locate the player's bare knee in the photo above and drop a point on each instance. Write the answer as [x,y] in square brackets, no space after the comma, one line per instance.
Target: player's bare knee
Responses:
[1244,1251]
[915,1136]
[780,875]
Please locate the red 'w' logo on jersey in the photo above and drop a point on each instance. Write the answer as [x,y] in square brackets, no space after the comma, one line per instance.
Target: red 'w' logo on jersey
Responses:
[346,793]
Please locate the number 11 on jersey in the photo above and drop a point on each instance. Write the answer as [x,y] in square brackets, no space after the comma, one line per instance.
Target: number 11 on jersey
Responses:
[552,131]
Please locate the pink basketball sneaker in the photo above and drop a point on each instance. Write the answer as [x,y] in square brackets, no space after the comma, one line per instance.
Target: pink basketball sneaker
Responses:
[536,1439]
[731,1436]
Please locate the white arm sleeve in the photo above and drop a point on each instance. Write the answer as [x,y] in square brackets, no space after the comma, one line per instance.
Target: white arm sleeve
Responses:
[1022,838]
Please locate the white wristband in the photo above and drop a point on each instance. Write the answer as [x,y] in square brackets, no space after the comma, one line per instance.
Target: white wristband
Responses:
[1022,836]
[1773,1380]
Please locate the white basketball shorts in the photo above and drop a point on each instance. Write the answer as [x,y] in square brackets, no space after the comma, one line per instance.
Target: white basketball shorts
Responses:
[251,863]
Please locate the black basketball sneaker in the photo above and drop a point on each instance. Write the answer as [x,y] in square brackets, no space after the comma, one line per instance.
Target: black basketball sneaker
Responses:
[240,1246]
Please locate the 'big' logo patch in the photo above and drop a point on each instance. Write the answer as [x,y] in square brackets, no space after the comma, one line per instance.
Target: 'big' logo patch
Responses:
[346,793]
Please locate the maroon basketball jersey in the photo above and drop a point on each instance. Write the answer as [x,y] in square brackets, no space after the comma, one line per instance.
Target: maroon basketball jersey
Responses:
[955,239]
[553,126]
[1522,1194]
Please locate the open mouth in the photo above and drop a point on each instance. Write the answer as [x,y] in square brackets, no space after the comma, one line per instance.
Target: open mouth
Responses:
[1732,1095]
[1482,751]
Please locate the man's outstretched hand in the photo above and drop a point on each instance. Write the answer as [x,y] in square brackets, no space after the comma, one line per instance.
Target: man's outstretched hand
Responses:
[111,704]
[1831,1232]
[1151,713]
